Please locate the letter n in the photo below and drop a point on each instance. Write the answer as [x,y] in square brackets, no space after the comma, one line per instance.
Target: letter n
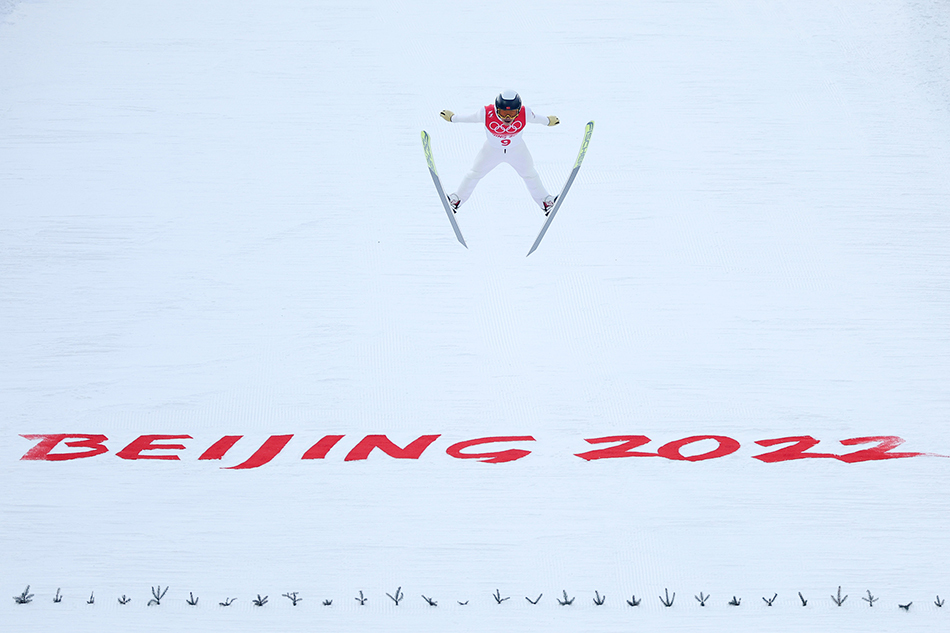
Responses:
[412,451]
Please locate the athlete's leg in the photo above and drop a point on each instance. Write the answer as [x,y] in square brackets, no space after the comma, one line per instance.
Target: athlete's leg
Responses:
[487,159]
[520,159]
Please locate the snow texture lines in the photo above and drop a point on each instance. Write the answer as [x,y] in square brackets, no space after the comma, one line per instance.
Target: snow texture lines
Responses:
[243,355]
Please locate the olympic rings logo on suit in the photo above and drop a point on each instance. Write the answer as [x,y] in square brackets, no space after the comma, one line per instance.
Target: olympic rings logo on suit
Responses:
[500,128]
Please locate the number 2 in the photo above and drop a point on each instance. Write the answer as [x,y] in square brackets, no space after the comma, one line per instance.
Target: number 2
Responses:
[882,451]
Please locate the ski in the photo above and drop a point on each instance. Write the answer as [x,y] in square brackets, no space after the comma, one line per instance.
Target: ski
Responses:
[560,198]
[438,187]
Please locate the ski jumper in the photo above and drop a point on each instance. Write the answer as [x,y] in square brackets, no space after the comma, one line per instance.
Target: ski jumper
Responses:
[504,145]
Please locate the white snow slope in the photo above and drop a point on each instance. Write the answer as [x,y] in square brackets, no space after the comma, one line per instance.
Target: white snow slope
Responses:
[216,220]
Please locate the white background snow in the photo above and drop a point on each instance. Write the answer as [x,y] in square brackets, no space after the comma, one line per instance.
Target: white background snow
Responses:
[215,219]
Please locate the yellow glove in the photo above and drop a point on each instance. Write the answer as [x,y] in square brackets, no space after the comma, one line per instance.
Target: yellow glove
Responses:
[552,120]
[447,115]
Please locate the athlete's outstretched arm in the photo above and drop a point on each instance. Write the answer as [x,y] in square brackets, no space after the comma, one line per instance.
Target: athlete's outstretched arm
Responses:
[537,118]
[475,117]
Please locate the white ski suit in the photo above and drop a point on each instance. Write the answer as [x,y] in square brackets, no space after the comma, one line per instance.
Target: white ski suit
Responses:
[504,145]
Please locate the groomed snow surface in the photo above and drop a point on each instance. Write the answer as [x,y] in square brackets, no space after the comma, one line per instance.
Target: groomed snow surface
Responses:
[216,220]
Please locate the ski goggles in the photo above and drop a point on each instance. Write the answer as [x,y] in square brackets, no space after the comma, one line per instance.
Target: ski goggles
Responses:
[507,115]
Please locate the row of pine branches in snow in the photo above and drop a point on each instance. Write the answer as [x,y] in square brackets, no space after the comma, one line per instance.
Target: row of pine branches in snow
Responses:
[158,594]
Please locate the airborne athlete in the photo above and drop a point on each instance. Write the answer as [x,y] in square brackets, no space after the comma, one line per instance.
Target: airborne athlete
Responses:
[504,122]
